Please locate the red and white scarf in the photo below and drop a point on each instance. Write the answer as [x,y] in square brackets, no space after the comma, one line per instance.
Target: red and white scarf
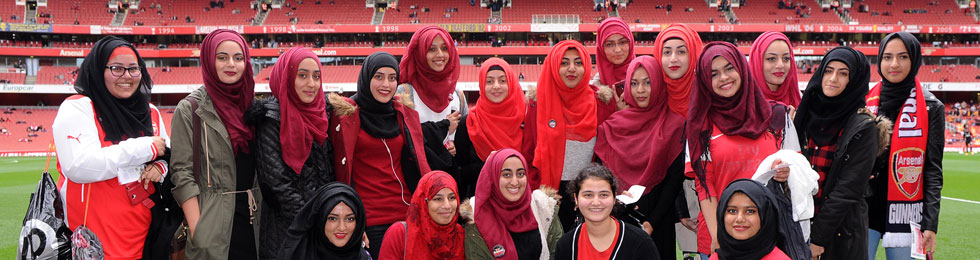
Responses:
[906,160]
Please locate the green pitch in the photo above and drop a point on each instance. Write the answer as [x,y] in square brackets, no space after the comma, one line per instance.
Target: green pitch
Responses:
[958,231]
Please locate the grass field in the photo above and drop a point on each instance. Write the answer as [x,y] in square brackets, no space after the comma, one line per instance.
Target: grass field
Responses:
[957,237]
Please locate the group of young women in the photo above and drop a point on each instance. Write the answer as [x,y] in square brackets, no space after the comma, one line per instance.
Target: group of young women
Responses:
[403,169]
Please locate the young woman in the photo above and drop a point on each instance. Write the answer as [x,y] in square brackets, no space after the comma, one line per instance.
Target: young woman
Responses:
[378,146]
[294,154]
[330,226]
[677,48]
[642,145]
[561,122]
[430,230]
[506,220]
[495,123]
[910,176]
[221,200]
[749,226]
[601,236]
[832,119]
[773,67]
[429,71]
[614,52]
[125,150]
[731,128]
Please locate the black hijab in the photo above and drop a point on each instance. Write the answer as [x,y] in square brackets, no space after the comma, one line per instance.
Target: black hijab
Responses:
[894,94]
[129,117]
[305,238]
[821,117]
[763,242]
[377,119]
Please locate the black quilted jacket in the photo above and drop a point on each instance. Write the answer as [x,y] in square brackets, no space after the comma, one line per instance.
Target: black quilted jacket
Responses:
[285,191]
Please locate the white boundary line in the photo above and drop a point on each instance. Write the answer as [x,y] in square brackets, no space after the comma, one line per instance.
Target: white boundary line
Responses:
[962,200]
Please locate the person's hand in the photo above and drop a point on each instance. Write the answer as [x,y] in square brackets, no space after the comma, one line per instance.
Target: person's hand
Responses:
[151,173]
[453,121]
[792,112]
[816,251]
[647,227]
[781,173]
[366,242]
[714,245]
[690,224]
[620,102]
[929,241]
[160,144]
[451,147]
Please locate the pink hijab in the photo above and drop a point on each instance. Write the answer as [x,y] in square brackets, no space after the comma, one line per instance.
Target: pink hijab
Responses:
[610,73]
[789,92]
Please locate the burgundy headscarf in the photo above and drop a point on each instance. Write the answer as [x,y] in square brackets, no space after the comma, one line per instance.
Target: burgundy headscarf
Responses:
[610,73]
[433,87]
[230,100]
[496,217]
[639,144]
[300,124]
[747,113]
[789,92]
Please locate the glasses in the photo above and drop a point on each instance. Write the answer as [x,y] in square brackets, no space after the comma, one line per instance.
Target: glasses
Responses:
[118,70]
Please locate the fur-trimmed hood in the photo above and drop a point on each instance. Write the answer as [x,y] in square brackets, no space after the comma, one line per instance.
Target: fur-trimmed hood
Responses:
[884,130]
[341,105]
[543,200]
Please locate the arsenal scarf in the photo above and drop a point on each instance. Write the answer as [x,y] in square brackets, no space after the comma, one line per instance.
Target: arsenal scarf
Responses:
[906,159]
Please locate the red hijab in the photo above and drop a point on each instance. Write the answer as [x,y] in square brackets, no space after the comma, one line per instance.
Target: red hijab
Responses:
[610,73]
[747,113]
[300,124]
[434,88]
[639,144]
[493,126]
[789,92]
[426,238]
[230,100]
[572,111]
[496,217]
[679,90]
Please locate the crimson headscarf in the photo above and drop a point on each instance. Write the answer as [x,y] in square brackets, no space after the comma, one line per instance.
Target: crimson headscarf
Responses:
[610,73]
[433,87]
[495,217]
[300,124]
[639,144]
[747,113]
[571,110]
[230,100]
[493,126]
[426,238]
[679,90]
[789,92]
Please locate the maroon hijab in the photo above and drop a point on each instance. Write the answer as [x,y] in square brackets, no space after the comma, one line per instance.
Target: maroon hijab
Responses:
[230,100]
[747,113]
[300,124]
[434,88]
[496,217]
[639,144]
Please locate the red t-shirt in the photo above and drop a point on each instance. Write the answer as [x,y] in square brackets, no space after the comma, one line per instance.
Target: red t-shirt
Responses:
[393,244]
[587,251]
[732,158]
[378,178]
[776,254]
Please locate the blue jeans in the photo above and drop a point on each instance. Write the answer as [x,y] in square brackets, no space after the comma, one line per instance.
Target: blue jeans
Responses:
[891,253]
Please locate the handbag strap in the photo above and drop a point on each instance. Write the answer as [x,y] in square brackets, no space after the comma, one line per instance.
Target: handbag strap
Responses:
[197,138]
[87,201]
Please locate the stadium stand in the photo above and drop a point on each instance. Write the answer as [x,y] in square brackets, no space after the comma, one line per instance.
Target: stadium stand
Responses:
[893,12]
[462,12]
[10,10]
[67,12]
[341,12]
[647,12]
[176,12]
[768,12]
[523,11]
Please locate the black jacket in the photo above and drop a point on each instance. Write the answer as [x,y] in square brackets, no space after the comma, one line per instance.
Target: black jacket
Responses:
[841,224]
[632,243]
[468,164]
[285,191]
[932,173]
